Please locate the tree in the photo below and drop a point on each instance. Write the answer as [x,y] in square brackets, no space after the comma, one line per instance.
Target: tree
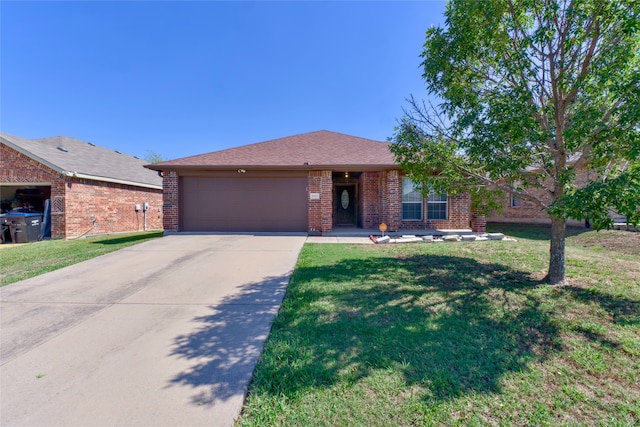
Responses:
[153,157]
[529,91]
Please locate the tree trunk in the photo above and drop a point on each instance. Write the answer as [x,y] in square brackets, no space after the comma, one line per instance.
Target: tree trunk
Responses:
[556,259]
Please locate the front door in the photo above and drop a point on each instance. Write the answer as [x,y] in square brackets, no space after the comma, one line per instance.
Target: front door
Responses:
[345,205]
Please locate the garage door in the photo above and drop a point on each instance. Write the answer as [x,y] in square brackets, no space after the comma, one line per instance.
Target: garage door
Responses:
[243,204]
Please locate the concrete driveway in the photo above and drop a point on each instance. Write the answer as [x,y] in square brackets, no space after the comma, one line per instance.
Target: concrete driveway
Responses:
[164,333]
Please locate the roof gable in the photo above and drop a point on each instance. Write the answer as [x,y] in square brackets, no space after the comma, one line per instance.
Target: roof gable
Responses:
[73,157]
[313,149]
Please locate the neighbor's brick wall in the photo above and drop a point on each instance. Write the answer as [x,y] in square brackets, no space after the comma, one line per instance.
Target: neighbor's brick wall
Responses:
[529,212]
[95,207]
[170,201]
[526,212]
[15,167]
[320,211]
[58,219]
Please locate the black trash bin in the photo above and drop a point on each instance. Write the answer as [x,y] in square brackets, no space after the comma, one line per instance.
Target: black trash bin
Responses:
[4,229]
[25,227]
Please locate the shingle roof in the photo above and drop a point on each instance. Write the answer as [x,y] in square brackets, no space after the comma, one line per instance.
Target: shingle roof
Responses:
[308,150]
[74,157]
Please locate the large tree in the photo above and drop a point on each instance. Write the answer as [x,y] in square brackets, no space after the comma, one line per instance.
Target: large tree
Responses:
[528,92]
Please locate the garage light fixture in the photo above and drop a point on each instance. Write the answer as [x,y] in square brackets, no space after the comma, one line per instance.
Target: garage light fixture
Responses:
[346,174]
[242,171]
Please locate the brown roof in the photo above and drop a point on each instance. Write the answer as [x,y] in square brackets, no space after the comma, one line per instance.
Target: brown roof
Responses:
[313,150]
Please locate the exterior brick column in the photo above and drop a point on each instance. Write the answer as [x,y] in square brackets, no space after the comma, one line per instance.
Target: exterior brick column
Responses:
[58,222]
[391,200]
[320,210]
[370,199]
[478,223]
[170,197]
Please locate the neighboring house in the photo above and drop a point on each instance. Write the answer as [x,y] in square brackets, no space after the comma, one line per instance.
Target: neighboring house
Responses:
[313,182]
[92,190]
[520,210]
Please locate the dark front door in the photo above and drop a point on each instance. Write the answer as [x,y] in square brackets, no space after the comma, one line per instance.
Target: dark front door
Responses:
[345,205]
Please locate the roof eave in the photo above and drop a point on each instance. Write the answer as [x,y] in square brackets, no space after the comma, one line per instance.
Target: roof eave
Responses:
[80,175]
[344,167]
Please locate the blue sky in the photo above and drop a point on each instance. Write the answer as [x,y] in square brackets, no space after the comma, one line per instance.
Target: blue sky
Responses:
[185,78]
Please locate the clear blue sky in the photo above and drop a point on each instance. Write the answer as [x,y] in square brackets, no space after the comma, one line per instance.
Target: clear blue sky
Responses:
[185,78]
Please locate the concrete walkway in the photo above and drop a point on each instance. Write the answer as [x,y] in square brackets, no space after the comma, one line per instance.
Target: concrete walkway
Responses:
[164,333]
[353,240]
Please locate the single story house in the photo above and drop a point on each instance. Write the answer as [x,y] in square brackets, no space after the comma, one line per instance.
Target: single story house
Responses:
[91,189]
[521,210]
[313,182]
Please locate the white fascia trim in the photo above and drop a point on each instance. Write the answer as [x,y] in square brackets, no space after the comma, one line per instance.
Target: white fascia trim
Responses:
[75,174]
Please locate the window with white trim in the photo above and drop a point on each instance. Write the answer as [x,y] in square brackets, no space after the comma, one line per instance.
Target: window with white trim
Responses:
[411,201]
[437,206]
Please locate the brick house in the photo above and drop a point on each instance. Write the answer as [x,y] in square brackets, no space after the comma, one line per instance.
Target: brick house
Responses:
[314,182]
[92,190]
[519,210]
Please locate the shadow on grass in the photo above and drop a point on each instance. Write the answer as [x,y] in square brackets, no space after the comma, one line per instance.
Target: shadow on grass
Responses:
[622,311]
[450,325]
[128,239]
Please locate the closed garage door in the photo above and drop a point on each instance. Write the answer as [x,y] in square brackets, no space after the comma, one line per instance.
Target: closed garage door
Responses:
[244,204]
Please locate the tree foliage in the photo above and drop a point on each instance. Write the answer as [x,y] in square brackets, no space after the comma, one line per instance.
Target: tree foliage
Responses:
[531,91]
[153,157]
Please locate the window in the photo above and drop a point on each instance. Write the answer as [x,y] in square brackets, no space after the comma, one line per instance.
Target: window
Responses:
[515,201]
[437,206]
[411,201]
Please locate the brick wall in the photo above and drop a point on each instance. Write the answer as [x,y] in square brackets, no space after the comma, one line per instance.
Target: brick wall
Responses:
[478,222]
[95,207]
[81,206]
[320,211]
[58,220]
[370,202]
[391,199]
[529,212]
[170,201]
[458,215]
[15,167]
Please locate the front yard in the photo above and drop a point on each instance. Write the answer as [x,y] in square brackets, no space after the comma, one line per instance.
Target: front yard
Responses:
[456,334]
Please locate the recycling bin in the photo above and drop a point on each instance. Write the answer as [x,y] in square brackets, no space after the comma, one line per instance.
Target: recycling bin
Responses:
[25,227]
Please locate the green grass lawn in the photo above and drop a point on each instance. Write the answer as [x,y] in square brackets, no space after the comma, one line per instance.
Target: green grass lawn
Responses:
[19,262]
[456,334]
